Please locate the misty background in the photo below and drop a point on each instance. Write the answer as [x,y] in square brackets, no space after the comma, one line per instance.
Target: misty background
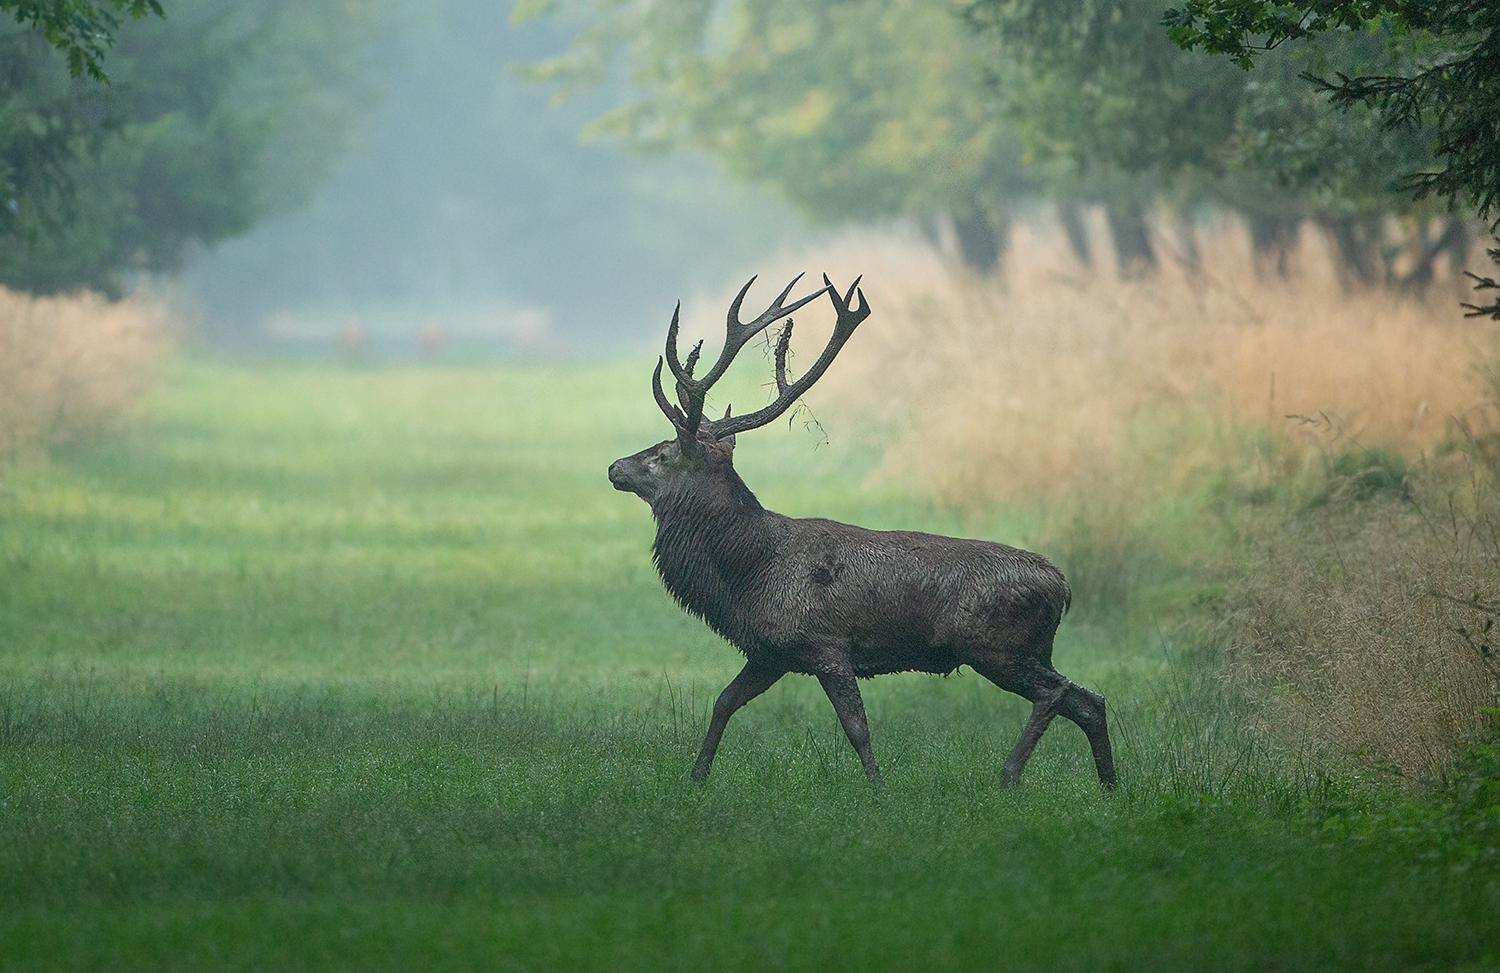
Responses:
[468,198]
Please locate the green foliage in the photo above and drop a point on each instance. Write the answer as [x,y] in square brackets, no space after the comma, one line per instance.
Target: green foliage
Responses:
[851,110]
[1485,284]
[1111,92]
[215,118]
[878,107]
[1227,26]
[1439,73]
[81,29]
[1444,77]
[1471,797]
[1102,88]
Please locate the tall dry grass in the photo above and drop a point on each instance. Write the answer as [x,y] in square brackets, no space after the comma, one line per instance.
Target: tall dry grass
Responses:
[1051,373]
[70,364]
[1362,633]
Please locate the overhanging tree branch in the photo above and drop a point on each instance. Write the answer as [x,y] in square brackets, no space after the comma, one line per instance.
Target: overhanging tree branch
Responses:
[1453,87]
[82,29]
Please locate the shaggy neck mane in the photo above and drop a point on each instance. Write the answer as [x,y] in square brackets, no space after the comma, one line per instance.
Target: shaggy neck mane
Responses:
[711,541]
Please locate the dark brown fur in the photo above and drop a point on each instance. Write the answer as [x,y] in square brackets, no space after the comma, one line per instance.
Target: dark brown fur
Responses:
[832,600]
[836,601]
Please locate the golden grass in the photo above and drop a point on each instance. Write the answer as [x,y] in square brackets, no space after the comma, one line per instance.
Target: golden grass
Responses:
[69,364]
[1048,375]
[1358,634]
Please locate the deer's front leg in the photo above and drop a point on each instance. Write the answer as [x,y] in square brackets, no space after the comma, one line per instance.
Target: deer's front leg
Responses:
[843,692]
[750,683]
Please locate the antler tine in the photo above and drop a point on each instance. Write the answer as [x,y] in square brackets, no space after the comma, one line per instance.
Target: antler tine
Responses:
[687,418]
[853,289]
[849,318]
[777,311]
[672,361]
[783,344]
[733,320]
[674,415]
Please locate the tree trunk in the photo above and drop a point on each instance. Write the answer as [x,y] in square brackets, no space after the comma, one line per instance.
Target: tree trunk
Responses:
[980,240]
[1132,239]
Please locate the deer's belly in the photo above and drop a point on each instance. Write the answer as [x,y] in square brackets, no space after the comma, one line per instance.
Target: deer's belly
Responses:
[878,657]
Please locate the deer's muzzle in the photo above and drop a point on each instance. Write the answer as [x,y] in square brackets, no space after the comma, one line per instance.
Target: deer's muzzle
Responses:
[619,476]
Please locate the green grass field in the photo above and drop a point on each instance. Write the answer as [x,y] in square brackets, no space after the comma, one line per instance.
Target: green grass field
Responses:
[323,668]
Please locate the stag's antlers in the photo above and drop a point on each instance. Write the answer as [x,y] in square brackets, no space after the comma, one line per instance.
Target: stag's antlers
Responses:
[691,392]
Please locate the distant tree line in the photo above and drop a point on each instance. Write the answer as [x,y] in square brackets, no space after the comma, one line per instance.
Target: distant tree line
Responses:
[871,108]
[850,110]
[133,133]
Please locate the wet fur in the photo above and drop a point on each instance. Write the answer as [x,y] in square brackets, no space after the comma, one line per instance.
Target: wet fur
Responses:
[837,601]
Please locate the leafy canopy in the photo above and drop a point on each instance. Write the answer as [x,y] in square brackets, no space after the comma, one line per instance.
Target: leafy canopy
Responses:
[81,29]
[215,118]
[858,109]
[1449,76]
[1101,87]
[1450,79]
[1231,26]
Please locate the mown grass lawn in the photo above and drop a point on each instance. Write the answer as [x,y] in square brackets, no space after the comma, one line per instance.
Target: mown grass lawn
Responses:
[323,668]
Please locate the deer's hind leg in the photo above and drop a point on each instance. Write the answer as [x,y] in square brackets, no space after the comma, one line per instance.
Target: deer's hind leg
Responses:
[1087,710]
[1052,695]
[1045,705]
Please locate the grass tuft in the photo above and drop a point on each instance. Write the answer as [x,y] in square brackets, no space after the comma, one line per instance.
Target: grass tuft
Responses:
[69,365]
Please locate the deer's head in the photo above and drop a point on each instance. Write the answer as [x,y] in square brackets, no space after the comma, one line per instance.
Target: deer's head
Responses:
[703,446]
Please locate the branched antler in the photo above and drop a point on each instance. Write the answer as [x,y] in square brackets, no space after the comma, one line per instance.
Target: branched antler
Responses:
[691,392]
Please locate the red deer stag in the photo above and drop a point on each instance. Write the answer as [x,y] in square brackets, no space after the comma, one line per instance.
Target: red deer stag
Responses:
[828,599]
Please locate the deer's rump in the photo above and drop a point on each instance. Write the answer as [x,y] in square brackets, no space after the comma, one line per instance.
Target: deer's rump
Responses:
[904,601]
